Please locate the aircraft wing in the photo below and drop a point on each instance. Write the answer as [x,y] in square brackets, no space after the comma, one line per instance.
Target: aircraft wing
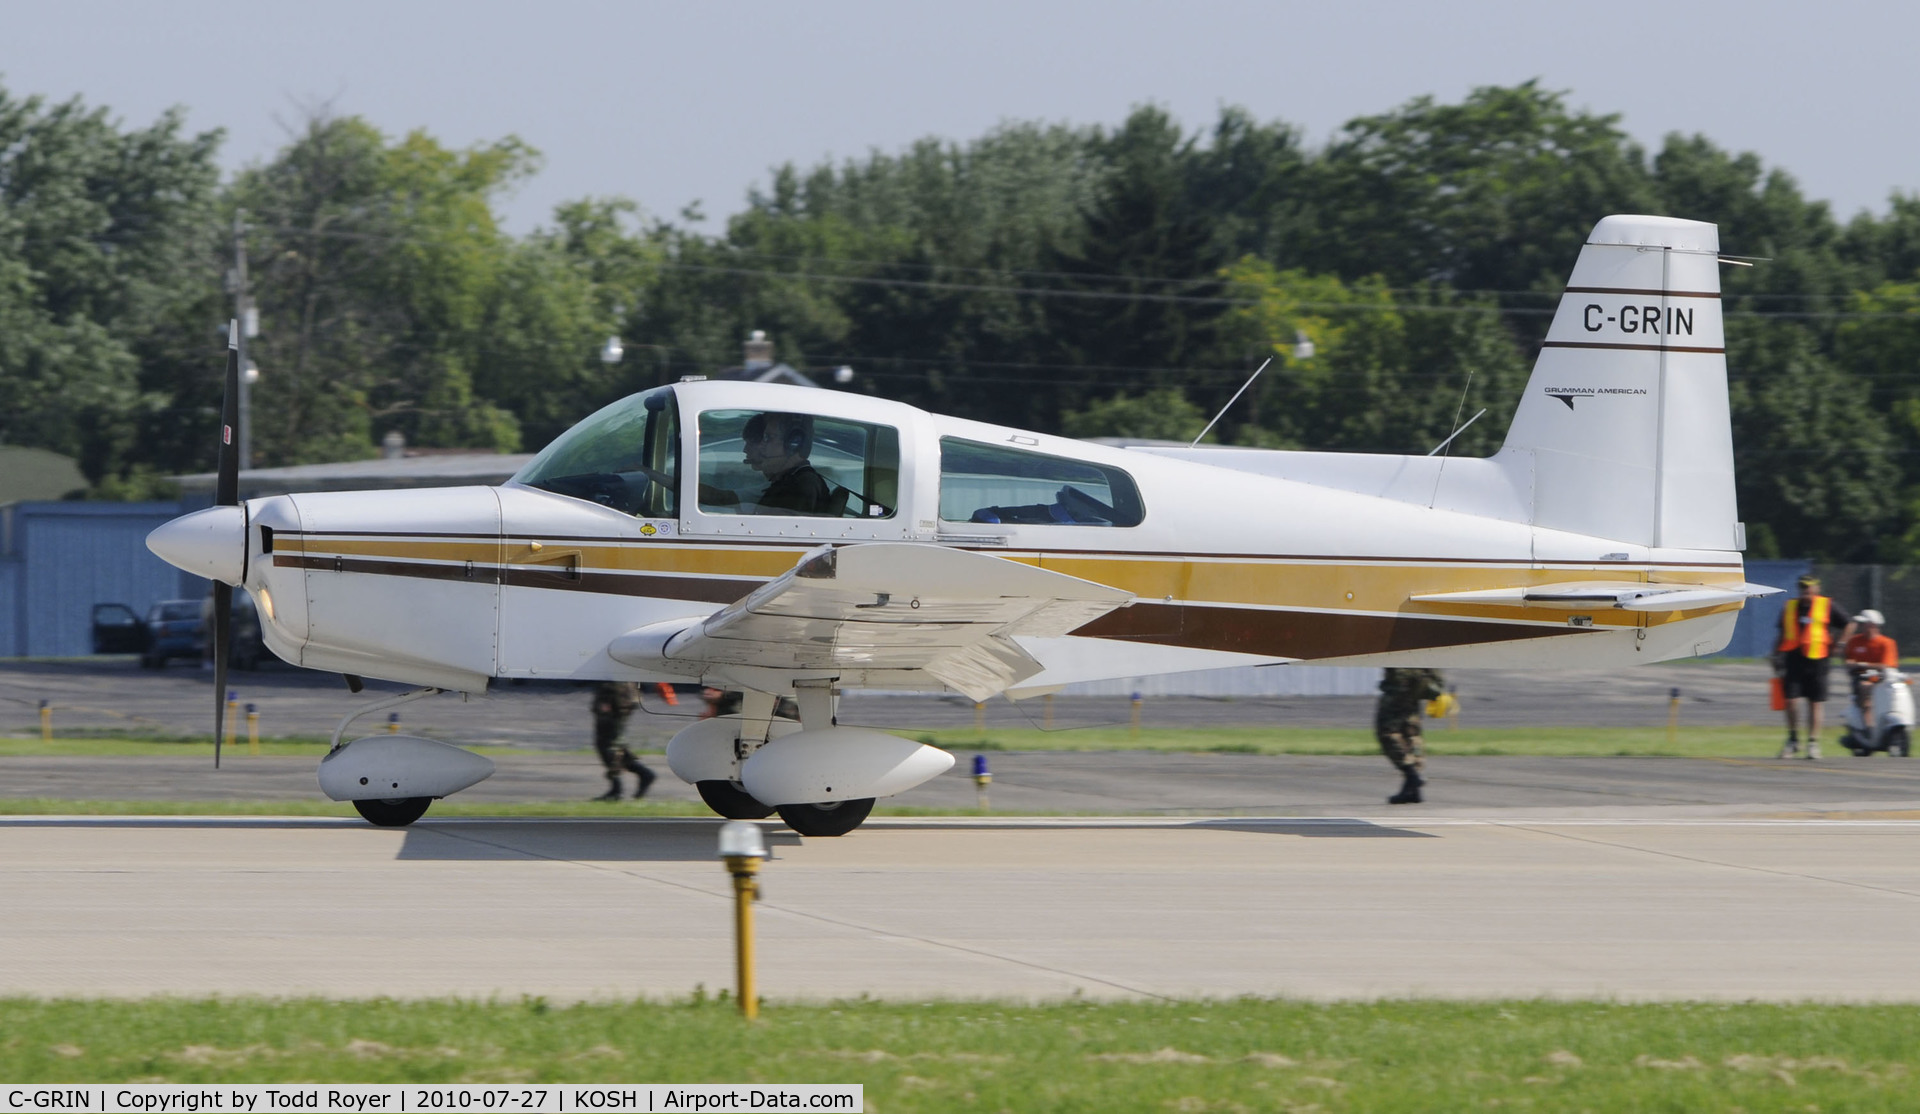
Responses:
[950,613]
[1623,595]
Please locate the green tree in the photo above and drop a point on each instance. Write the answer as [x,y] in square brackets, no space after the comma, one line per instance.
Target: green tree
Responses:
[102,232]
[1162,414]
[1387,375]
[377,266]
[1141,275]
[1814,462]
[1496,193]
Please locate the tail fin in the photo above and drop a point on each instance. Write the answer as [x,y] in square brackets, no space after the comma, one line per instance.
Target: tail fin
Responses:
[1625,418]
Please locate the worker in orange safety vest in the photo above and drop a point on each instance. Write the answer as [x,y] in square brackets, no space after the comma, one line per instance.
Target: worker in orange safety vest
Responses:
[1802,657]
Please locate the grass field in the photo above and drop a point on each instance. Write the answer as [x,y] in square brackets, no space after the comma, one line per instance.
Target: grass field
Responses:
[1688,742]
[986,1056]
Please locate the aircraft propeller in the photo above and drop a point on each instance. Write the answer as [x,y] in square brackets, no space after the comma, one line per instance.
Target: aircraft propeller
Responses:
[226,493]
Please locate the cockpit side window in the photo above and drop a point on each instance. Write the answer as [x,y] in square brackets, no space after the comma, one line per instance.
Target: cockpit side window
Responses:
[766,462]
[992,483]
[625,456]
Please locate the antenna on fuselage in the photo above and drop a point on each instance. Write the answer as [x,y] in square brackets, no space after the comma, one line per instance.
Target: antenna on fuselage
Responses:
[1458,429]
[1456,433]
[1231,401]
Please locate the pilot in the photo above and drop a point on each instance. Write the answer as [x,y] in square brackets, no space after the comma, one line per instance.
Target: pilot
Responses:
[777,447]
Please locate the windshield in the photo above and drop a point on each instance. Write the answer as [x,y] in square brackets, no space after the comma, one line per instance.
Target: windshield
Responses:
[625,456]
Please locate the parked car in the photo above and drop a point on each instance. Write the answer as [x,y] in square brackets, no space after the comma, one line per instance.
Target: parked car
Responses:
[176,629]
[117,630]
[247,648]
[170,630]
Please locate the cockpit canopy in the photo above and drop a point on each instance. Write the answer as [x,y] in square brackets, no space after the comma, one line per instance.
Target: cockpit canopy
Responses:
[625,455]
[793,461]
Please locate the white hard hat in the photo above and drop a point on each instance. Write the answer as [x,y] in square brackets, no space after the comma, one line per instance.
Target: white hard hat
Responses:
[1872,616]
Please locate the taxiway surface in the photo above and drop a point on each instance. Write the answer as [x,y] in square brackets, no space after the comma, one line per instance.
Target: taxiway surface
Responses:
[105,694]
[1346,908]
[1114,782]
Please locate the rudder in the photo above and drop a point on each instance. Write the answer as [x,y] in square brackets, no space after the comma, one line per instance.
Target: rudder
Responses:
[1625,421]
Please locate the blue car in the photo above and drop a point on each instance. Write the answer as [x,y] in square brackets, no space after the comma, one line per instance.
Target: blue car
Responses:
[170,630]
[173,631]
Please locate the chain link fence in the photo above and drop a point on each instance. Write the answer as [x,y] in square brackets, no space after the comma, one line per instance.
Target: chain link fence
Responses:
[1892,590]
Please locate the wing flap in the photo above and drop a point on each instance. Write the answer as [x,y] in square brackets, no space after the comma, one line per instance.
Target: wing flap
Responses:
[950,613]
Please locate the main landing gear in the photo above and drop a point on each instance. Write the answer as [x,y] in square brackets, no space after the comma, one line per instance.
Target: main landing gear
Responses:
[835,818]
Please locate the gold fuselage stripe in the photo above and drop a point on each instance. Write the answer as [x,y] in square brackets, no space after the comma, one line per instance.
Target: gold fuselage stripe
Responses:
[1366,585]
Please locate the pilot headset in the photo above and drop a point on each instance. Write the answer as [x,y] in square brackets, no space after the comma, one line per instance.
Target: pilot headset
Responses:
[796,432]
[799,433]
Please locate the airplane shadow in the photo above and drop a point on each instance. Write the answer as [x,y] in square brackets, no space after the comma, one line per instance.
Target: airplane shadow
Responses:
[157,823]
[575,840]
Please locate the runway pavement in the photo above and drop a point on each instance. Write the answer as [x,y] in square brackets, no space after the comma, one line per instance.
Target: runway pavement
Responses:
[1218,874]
[1377,905]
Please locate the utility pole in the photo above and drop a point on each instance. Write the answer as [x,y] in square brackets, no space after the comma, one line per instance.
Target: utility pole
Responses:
[249,320]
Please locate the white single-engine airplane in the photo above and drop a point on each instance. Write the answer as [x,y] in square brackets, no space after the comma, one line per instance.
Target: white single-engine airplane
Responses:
[792,542]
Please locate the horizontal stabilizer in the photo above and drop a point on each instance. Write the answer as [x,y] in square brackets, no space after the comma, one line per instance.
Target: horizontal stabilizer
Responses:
[1625,596]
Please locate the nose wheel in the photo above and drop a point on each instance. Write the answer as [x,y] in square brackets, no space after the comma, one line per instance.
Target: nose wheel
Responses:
[393,812]
[731,801]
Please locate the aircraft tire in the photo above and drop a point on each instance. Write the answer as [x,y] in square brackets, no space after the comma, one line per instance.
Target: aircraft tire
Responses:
[731,801]
[396,812]
[836,819]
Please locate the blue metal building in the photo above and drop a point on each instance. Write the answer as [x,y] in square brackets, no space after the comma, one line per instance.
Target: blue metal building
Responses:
[1758,630]
[59,559]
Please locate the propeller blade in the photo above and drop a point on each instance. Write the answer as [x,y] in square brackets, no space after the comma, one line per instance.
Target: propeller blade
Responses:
[222,641]
[226,489]
[226,493]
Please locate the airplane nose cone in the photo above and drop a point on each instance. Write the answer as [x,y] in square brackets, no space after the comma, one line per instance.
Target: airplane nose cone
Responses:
[210,543]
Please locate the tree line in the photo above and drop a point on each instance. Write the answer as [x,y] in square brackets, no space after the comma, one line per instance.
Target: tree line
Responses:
[1087,280]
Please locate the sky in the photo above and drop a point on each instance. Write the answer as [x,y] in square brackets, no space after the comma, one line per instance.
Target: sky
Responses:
[676,103]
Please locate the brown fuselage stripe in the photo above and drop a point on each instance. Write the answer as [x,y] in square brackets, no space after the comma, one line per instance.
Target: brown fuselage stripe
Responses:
[1628,347]
[1304,635]
[1629,290]
[1301,635]
[701,589]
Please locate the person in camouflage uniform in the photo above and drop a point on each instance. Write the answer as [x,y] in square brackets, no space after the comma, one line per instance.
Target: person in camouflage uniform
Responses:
[613,702]
[1396,723]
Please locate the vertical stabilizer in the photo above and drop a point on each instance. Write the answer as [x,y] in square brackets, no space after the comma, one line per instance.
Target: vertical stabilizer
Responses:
[1625,418]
